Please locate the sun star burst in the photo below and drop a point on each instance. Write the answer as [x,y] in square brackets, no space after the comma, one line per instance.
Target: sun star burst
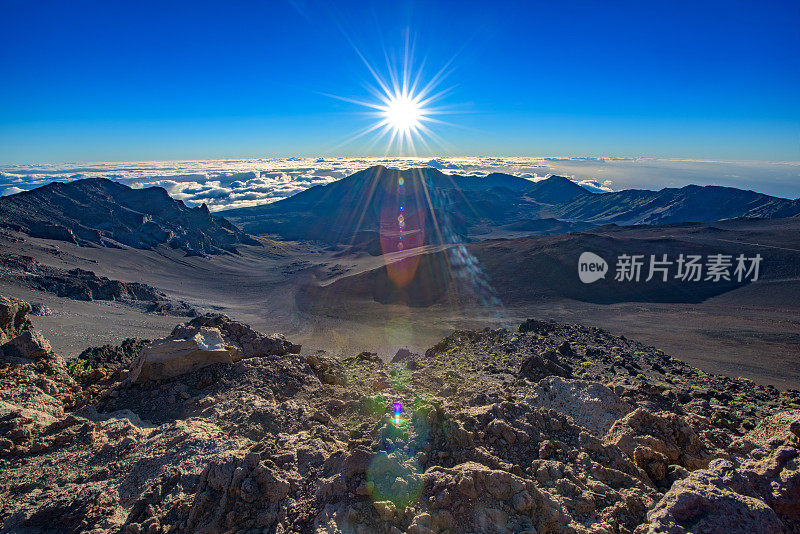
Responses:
[403,113]
[403,105]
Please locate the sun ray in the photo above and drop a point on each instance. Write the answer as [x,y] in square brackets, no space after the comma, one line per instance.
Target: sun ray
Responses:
[405,100]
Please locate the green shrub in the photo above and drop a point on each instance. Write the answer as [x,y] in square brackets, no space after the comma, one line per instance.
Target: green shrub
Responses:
[78,367]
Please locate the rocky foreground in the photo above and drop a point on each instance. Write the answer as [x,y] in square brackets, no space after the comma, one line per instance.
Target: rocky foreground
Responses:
[548,428]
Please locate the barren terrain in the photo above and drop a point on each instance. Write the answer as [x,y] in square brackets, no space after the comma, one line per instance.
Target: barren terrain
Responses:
[751,331]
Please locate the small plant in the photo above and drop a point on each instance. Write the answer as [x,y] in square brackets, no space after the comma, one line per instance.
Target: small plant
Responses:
[78,367]
[375,405]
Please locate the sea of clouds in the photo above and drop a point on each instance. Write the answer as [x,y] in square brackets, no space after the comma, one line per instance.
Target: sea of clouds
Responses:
[223,184]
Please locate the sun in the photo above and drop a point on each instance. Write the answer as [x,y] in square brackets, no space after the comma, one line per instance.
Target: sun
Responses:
[403,113]
[404,106]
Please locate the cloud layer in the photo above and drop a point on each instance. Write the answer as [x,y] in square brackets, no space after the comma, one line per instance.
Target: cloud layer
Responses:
[237,183]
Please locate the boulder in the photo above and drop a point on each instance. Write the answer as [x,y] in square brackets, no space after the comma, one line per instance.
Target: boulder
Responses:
[706,502]
[250,342]
[590,404]
[13,318]
[663,432]
[238,493]
[536,367]
[402,355]
[186,349]
[29,345]
[536,326]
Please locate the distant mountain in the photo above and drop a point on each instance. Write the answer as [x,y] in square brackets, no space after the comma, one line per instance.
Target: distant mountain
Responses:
[481,183]
[414,205]
[107,213]
[441,208]
[688,204]
[556,190]
[436,207]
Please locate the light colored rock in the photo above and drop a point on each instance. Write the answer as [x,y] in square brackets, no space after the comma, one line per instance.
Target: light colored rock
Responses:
[590,404]
[250,342]
[774,427]
[185,350]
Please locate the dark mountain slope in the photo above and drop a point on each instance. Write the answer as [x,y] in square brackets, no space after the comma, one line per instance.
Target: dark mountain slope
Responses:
[688,204]
[436,207]
[104,212]
[535,268]
[556,190]
[441,208]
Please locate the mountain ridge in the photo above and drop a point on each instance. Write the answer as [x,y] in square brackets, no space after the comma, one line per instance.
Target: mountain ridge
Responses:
[100,211]
[469,204]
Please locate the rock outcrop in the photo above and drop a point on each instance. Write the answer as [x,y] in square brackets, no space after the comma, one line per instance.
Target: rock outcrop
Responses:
[80,284]
[205,340]
[13,318]
[265,439]
[18,341]
[99,211]
[186,349]
[250,342]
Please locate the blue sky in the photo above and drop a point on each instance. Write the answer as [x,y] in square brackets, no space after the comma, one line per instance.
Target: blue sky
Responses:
[92,81]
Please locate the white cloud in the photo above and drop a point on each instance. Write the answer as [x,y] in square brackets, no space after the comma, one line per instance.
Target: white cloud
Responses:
[13,190]
[236,183]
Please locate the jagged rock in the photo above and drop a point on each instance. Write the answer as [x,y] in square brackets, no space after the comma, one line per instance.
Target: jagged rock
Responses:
[500,494]
[402,355]
[29,345]
[565,349]
[327,369]
[652,462]
[589,404]
[13,318]
[536,367]
[114,357]
[369,357]
[205,340]
[663,432]
[705,502]
[238,493]
[535,326]
[186,349]
[302,444]
[775,428]
[251,343]
[40,310]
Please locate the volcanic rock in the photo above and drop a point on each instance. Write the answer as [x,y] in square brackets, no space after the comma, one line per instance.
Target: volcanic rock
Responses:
[250,342]
[705,502]
[29,345]
[186,349]
[590,404]
[290,443]
[13,318]
[665,433]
